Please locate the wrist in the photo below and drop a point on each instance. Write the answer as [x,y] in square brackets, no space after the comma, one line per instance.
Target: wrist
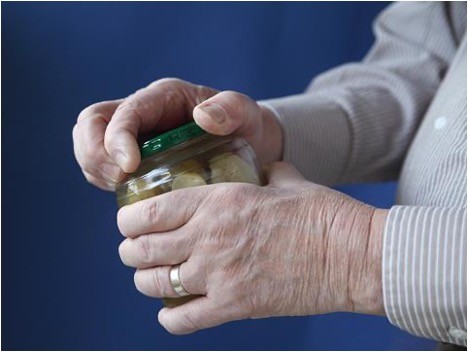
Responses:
[365,286]
[271,148]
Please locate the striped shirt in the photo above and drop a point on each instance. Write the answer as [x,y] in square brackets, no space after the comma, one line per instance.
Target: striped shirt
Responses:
[400,113]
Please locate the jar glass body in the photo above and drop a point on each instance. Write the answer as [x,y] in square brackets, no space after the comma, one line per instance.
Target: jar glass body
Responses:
[206,159]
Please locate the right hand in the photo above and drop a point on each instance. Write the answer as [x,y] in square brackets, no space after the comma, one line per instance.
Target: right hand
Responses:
[105,135]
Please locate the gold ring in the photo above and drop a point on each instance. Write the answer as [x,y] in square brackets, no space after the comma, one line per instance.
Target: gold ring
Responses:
[174,276]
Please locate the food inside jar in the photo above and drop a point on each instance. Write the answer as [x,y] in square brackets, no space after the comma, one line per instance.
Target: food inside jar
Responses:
[189,179]
[225,167]
[188,173]
[188,165]
[229,167]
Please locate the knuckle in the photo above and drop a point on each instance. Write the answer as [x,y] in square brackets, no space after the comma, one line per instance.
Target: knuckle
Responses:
[128,115]
[172,98]
[133,103]
[160,280]
[91,110]
[167,80]
[178,244]
[234,97]
[236,192]
[237,196]
[85,113]
[149,213]
[129,106]
[143,251]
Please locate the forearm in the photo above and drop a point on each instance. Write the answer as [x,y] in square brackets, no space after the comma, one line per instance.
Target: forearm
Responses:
[316,136]
[272,136]
[356,122]
[424,271]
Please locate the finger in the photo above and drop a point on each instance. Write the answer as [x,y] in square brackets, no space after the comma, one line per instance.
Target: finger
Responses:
[200,313]
[152,250]
[229,113]
[164,104]
[106,186]
[165,212]
[155,282]
[282,174]
[88,137]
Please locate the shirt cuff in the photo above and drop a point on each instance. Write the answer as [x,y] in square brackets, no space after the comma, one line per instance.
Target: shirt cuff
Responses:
[316,135]
[424,271]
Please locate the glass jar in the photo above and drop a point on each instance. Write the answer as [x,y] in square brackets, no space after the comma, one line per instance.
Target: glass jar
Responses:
[187,157]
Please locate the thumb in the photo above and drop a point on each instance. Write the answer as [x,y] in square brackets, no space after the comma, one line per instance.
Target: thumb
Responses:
[228,112]
[281,174]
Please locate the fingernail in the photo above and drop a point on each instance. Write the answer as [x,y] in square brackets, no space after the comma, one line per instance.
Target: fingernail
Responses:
[121,159]
[215,111]
[111,172]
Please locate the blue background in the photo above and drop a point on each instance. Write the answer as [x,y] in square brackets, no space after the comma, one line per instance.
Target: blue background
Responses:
[63,284]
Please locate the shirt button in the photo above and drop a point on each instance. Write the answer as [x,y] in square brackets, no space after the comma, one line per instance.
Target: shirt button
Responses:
[457,333]
[440,122]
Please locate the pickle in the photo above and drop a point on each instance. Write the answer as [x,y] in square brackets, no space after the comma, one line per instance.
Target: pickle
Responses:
[231,168]
[189,179]
[189,165]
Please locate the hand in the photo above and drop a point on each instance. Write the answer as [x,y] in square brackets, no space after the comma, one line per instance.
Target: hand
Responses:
[289,248]
[105,135]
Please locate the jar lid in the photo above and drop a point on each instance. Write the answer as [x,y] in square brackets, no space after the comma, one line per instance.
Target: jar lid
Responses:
[170,139]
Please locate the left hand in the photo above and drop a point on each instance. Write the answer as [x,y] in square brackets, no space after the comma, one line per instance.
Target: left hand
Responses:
[289,248]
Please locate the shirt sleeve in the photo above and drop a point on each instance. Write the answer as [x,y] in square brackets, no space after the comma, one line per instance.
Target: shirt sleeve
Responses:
[424,271]
[354,123]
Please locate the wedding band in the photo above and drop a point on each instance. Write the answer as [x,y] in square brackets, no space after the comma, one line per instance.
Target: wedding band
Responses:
[174,276]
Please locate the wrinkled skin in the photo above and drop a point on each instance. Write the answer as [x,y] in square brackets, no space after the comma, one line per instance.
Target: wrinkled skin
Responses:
[289,248]
[251,251]
[105,135]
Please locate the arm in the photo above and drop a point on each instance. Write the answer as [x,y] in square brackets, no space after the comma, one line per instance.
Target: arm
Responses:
[424,271]
[317,234]
[355,122]
[301,249]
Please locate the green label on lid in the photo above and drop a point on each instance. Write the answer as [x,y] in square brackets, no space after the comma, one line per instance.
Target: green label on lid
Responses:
[170,139]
